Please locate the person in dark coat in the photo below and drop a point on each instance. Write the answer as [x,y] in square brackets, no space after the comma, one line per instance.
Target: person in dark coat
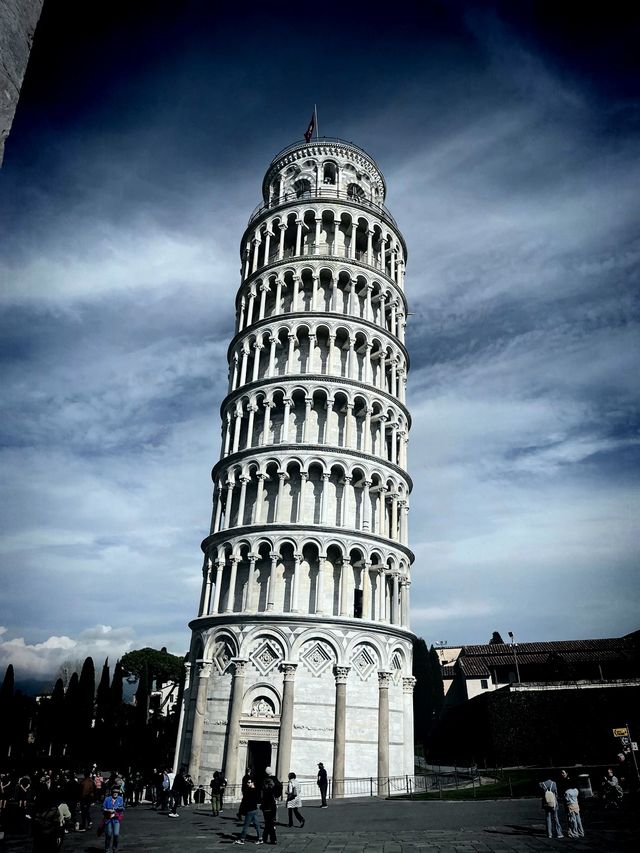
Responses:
[323,784]
[249,808]
[269,810]
[179,788]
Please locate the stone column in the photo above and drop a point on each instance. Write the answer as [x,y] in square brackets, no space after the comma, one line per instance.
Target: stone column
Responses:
[324,498]
[308,401]
[264,288]
[236,431]
[251,582]
[395,602]
[366,505]
[286,719]
[302,498]
[344,587]
[366,590]
[284,438]
[272,356]
[268,405]
[283,228]
[204,671]
[279,498]
[257,349]
[216,594]
[231,595]
[252,414]
[278,306]
[267,241]
[259,498]
[292,345]
[339,730]
[233,726]
[252,301]
[348,425]
[271,583]
[205,603]
[320,584]
[295,583]
[228,505]
[256,249]
[242,501]
[384,679]
[407,723]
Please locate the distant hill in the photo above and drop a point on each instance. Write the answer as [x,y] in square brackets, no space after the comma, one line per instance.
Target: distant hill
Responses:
[33,686]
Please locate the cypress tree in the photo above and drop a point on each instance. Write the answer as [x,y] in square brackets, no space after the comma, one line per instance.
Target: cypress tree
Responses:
[7,705]
[86,694]
[116,686]
[57,703]
[71,715]
[103,695]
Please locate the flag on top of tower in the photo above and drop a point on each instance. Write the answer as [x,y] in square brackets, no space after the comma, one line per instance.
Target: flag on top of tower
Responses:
[312,126]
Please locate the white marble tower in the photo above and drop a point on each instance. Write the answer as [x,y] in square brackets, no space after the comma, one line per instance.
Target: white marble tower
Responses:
[301,650]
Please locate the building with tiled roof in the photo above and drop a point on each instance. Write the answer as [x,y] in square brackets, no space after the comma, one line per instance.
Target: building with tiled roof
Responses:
[472,670]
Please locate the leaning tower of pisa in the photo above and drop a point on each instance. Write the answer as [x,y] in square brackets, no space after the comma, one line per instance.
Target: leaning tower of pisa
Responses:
[301,649]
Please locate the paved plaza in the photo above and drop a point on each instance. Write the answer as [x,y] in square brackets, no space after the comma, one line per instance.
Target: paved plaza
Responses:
[369,826]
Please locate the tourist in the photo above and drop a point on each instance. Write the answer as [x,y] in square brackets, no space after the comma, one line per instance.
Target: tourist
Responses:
[87,798]
[24,794]
[249,808]
[113,812]
[199,795]
[269,809]
[550,806]
[573,811]
[611,791]
[46,827]
[294,803]
[178,790]
[216,786]
[323,784]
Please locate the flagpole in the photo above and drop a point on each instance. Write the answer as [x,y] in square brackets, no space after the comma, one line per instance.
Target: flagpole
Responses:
[315,112]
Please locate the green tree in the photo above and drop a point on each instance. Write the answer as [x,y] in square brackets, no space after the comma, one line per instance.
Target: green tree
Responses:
[428,694]
[70,711]
[496,639]
[161,666]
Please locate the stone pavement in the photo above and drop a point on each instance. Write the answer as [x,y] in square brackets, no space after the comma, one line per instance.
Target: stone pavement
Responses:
[370,826]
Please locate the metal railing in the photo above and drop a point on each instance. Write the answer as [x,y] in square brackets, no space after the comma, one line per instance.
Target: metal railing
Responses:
[324,191]
[373,786]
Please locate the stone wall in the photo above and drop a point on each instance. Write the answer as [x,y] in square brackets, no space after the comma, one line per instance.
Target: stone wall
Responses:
[18,21]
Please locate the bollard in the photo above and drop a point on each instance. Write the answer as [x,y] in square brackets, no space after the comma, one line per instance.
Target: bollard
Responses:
[510,787]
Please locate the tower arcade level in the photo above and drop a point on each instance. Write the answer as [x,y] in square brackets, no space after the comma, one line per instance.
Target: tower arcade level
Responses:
[301,650]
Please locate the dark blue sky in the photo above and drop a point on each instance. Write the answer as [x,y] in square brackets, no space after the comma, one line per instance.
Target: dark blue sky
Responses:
[508,135]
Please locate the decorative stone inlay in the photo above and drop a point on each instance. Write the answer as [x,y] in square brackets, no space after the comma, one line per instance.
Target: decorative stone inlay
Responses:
[265,656]
[317,657]
[364,662]
[221,655]
[262,707]
[396,667]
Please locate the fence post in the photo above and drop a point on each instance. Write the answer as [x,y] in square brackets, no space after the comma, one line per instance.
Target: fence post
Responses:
[406,779]
[371,786]
[439,787]
[510,788]
[388,787]
[473,783]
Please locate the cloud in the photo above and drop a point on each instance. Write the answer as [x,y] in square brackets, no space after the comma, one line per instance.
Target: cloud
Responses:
[42,660]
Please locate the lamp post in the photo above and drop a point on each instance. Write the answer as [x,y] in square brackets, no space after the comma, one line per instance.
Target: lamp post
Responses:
[514,646]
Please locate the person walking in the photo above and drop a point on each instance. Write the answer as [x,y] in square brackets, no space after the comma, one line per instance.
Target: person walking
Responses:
[87,798]
[178,790]
[323,784]
[216,790]
[294,803]
[573,811]
[269,810]
[550,806]
[113,811]
[249,808]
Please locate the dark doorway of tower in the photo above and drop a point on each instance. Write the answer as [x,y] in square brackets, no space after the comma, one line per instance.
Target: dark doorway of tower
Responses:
[258,759]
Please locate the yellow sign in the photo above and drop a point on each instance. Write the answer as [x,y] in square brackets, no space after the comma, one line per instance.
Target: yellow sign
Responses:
[624,732]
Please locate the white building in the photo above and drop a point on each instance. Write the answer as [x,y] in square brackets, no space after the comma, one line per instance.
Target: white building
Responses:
[301,650]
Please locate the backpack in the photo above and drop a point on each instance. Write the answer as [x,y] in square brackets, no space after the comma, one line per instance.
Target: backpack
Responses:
[166,783]
[46,824]
[550,800]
